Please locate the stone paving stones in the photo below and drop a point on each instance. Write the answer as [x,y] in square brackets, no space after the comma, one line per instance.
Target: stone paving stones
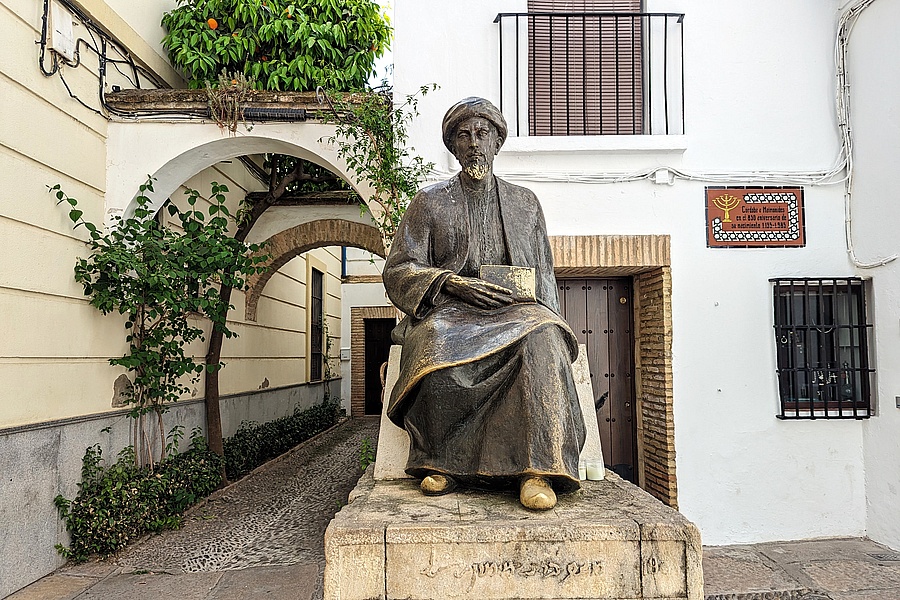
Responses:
[274,517]
[833,569]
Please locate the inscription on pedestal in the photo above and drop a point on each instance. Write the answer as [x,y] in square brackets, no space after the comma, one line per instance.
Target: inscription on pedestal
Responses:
[513,568]
[535,569]
[610,542]
[544,569]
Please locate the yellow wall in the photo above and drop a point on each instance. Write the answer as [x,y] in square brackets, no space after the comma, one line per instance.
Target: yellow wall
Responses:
[54,347]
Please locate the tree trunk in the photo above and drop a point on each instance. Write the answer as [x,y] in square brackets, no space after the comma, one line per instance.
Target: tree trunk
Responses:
[211,400]
[214,351]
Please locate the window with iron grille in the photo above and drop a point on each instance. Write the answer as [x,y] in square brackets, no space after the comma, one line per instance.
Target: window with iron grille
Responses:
[821,340]
[316,329]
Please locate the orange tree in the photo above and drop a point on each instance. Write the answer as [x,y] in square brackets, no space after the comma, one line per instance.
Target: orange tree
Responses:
[280,45]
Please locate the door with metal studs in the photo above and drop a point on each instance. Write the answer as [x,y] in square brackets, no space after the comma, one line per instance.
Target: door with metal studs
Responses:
[600,313]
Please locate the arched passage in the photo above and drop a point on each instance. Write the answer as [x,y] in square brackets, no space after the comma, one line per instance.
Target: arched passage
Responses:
[173,153]
[292,242]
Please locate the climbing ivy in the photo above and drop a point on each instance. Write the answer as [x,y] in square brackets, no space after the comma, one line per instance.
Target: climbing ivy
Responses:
[371,136]
[116,503]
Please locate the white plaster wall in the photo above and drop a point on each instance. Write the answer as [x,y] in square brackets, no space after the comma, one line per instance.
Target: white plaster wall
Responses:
[145,17]
[759,98]
[875,86]
[54,346]
[362,262]
[359,262]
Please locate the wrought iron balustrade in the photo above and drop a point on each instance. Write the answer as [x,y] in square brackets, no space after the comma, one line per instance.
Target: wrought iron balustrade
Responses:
[592,73]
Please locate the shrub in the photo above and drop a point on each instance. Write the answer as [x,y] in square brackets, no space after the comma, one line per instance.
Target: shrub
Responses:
[255,443]
[280,44]
[366,454]
[156,277]
[118,503]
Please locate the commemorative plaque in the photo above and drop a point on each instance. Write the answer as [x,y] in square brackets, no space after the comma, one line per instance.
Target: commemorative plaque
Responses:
[744,217]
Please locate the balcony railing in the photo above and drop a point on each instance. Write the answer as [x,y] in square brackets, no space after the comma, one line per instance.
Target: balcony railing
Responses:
[596,73]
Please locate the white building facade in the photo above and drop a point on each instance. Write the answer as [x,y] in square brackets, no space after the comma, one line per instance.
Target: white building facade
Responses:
[630,208]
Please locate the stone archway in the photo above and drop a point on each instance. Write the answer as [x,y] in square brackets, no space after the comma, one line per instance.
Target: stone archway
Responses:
[292,242]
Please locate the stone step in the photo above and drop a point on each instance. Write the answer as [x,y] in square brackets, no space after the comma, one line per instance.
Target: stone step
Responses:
[794,594]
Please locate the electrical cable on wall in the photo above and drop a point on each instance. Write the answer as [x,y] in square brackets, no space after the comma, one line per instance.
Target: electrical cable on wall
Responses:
[109,51]
[845,26]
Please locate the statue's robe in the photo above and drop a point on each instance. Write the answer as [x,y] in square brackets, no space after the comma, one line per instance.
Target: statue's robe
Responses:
[486,395]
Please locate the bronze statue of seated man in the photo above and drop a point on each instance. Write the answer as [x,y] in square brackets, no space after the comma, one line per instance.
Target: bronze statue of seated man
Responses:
[485,390]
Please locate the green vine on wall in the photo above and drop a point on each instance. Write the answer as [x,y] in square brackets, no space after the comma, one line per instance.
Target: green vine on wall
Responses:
[161,280]
[371,136]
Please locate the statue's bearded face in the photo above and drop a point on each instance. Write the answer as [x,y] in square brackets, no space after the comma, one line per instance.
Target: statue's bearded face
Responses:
[475,144]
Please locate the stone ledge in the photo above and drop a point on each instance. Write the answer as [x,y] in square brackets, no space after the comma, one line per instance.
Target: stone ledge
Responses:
[609,541]
[196,101]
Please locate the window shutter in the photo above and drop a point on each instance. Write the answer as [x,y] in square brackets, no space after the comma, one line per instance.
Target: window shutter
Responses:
[585,72]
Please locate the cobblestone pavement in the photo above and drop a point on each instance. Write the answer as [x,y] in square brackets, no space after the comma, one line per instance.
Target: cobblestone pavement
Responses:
[274,517]
[264,537]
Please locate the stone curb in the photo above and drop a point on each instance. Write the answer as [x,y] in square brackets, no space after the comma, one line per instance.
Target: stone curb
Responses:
[797,594]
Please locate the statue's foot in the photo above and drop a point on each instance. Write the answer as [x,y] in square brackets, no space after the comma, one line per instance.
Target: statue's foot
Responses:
[437,485]
[535,493]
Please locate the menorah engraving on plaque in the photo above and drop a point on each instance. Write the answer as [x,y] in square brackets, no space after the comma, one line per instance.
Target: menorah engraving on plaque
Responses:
[727,203]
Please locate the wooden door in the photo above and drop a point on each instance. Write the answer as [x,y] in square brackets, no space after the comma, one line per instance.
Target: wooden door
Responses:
[600,313]
[378,347]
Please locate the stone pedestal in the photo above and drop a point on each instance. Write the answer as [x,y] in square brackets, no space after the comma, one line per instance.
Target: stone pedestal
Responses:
[611,540]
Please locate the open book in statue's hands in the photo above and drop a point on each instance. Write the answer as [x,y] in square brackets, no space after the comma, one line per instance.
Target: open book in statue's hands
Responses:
[518,279]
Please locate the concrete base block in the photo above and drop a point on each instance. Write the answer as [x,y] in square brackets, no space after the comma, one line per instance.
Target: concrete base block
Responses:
[611,540]
[393,442]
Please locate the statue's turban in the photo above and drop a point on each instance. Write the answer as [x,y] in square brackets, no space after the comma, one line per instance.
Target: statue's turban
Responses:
[468,108]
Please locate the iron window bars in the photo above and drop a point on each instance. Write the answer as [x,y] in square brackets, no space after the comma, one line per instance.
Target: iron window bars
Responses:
[592,73]
[821,340]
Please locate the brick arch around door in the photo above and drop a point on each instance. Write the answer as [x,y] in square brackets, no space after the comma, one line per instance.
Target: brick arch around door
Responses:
[636,269]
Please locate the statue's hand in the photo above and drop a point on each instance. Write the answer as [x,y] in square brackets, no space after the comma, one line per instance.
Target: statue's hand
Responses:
[477,292]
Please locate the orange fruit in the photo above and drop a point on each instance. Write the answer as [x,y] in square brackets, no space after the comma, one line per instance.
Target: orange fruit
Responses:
[213,24]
